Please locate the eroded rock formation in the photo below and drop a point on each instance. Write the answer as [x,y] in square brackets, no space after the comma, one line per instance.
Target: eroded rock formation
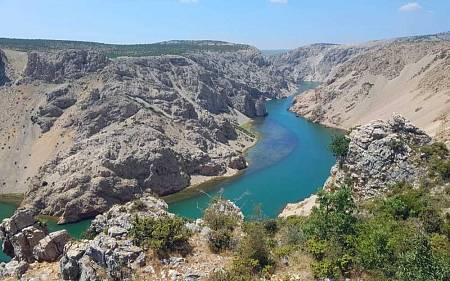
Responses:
[103,131]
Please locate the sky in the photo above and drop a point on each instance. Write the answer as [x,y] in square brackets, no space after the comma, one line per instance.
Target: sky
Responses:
[266,24]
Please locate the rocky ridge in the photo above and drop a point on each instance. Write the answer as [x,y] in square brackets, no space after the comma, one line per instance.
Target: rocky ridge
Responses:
[380,155]
[103,131]
[111,255]
[406,75]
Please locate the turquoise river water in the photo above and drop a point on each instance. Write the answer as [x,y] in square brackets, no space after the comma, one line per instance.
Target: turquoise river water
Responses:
[290,162]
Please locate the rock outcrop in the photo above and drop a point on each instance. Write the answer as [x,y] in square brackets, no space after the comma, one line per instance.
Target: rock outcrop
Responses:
[25,239]
[59,66]
[111,254]
[3,75]
[381,154]
[13,269]
[111,251]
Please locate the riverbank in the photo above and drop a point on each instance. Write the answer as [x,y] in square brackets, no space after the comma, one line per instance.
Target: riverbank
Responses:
[11,198]
[290,161]
[201,184]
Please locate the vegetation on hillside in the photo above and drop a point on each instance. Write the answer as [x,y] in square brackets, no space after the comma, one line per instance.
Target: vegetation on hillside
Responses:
[402,236]
[162,235]
[133,50]
[339,147]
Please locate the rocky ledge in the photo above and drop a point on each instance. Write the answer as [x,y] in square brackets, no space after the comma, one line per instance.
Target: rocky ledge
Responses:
[381,154]
[26,240]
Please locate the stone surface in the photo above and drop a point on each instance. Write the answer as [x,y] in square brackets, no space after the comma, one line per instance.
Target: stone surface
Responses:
[51,247]
[381,154]
[115,129]
[62,65]
[3,76]
[13,269]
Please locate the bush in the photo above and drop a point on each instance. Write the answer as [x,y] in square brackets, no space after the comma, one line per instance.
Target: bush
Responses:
[291,231]
[431,221]
[222,225]
[419,264]
[271,227]
[324,269]
[217,219]
[255,247]
[437,149]
[339,147]
[161,234]
[220,240]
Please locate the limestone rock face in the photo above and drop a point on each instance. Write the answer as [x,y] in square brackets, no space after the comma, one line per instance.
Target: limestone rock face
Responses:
[3,75]
[25,239]
[114,251]
[13,269]
[381,154]
[372,80]
[51,247]
[314,62]
[138,125]
[62,65]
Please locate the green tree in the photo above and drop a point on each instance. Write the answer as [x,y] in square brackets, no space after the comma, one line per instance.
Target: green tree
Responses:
[339,147]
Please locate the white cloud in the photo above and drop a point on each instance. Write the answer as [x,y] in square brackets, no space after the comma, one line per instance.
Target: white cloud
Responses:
[278,1]
[188,1]
[411,7]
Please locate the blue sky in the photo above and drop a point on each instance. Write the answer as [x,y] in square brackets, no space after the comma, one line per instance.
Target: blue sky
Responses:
[267,24]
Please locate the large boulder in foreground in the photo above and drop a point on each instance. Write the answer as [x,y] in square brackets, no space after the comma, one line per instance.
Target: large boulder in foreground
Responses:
[381,154]
[26,239]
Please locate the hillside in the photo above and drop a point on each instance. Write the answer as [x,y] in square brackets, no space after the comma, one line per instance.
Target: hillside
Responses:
[370,81]
[175,47]
[81,132]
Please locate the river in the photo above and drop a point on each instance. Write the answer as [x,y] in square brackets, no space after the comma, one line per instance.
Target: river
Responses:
[289,162]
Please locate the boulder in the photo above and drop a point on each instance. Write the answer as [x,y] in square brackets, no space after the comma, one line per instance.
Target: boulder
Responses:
[238,163]
[51,247]
[381,154]
[13,268]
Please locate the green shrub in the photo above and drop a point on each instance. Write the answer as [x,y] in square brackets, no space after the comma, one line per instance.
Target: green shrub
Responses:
[419,264]
[216,219]
[271,226]
[222,225]
[335,217]
[339,147]
[291,231]
[324,269]
[220,240]
[431,220]
[437,149]
[254,247]
[161,234]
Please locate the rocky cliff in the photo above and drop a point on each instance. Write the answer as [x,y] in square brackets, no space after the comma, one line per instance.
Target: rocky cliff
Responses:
[408,76]
[84,132]
[314,62]
[380,155]
[3,62]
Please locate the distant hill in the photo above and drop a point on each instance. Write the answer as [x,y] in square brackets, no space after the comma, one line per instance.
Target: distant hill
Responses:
[274,52]
[175,47]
